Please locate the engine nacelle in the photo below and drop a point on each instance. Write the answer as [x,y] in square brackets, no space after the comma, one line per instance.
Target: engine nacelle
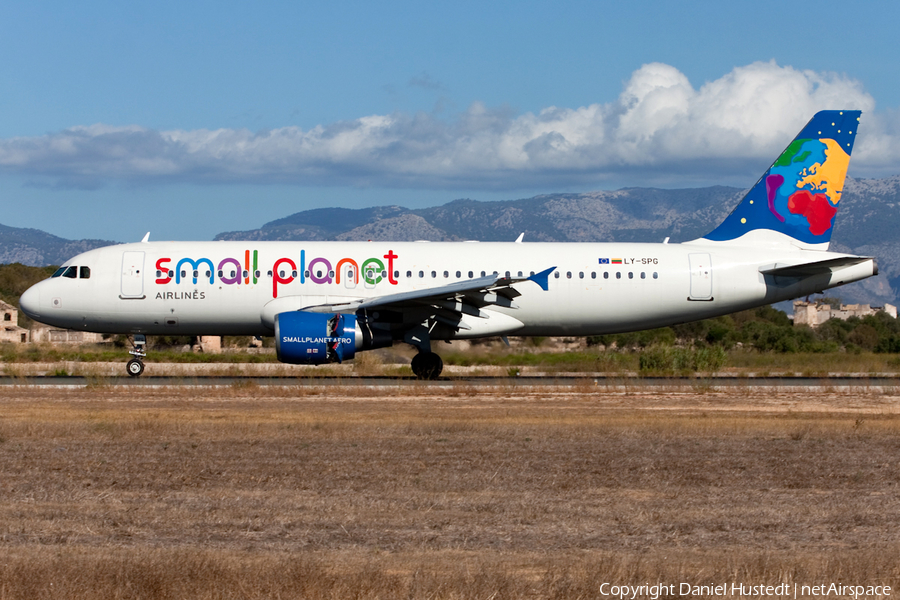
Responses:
[308,338]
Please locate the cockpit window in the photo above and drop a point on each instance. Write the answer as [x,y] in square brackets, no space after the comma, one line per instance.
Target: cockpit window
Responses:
[84,273]
[71,273]
[59,271]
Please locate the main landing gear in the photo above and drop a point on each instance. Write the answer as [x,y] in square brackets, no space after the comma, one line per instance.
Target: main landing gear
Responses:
[135,366]
[427,365]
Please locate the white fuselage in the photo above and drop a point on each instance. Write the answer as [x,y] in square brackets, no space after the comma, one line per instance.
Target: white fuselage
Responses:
[151,288]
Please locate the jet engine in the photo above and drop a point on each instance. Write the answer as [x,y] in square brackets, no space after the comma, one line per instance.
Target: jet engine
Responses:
[308,338]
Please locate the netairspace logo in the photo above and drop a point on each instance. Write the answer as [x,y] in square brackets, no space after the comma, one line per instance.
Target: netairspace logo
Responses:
[735,590]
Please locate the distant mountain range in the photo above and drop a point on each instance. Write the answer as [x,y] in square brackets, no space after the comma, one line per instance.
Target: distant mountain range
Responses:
[868,224]
[633,214]
[38,248]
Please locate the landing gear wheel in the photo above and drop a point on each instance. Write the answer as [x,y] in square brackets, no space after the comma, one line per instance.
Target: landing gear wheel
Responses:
[135,367]
[427,365]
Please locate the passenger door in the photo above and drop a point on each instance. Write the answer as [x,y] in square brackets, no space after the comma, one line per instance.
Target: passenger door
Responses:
[132,275]
[701,277]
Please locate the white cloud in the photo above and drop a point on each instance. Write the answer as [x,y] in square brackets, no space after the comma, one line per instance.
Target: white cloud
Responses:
[660,127]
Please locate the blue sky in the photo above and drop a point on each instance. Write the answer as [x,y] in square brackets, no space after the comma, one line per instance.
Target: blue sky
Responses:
[188,119]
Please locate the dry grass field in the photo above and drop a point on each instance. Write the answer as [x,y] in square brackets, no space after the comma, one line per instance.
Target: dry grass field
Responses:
[339,491]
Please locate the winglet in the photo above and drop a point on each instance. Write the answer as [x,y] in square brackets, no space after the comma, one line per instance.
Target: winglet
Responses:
[519,239]
[146,238]
[543,278]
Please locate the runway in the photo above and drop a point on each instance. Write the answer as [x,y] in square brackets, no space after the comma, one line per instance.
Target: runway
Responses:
[837,380]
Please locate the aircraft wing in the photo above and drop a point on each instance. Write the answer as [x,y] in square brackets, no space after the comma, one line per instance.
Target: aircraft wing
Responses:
[447,303]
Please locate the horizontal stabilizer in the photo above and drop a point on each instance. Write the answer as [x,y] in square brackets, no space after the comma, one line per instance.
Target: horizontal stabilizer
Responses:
[814,268]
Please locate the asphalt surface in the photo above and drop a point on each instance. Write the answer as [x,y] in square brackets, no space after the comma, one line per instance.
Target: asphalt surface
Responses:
[543,381]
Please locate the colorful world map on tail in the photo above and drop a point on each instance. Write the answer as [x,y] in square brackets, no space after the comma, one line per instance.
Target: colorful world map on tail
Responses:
[800,193]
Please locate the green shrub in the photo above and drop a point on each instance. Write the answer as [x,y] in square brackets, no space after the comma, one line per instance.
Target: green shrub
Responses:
[672,360]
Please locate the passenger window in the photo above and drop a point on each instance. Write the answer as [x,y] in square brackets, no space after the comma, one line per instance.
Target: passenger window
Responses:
[233,274]
[421,274]
[618,275]
[458,275]
[605,274]
[643,275]
[171,273]
[520,274]
[507,274]
[59,272]
[85,273]
[331,274]
[580,274]
[396,274]
[306,273]
[281,273]
[183,274]
[294,274]
[433,274]
[256,274]
[409,274]
[593,275]
[655,275]
[71,272]
[568,274]
[159,274]
[482,273]
[319,274]
[208,274]
[219,274]
[630,275]
[246,274]
[269,274]
[556,274]
[471,274]
[196,274]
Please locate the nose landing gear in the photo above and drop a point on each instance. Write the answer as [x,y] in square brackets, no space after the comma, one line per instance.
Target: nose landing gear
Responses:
[135,366]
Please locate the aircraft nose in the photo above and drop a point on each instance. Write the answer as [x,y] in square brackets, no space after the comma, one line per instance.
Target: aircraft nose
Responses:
[30,302]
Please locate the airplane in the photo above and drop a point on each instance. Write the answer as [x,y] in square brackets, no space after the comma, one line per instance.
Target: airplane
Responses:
[326,301]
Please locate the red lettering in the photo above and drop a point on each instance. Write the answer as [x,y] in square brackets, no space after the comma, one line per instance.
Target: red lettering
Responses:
[390,256]
[164,269]
[276,278]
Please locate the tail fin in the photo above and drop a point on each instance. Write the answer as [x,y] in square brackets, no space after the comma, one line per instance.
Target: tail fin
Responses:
[799,195]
